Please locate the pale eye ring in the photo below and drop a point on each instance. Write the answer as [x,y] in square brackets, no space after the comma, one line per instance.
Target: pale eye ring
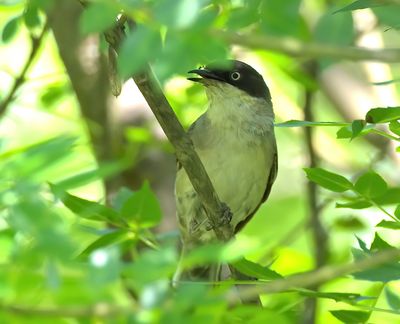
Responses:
[235,76]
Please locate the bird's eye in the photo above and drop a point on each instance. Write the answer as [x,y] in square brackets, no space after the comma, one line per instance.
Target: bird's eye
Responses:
[235,76]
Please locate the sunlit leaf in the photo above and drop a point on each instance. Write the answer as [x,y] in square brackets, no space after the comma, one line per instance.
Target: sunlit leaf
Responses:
[392,298]
[140,46]
[255,270]
[389,224]
[87,209]
[98,17]
[351,316]
[394,126]
[379,244]
[362,244]
[31,16]
[383,273]
[177,14]
[328,180]
[371,185]
[114,237]
[383,115]
[10,29]
[356,204]
[397,212]
[142,207]
[337,296]
[361,4]
[357,126]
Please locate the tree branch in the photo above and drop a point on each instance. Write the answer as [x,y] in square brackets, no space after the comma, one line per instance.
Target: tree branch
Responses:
[100,310]
[20,79]
[317,277]
[184,150]
[294,47]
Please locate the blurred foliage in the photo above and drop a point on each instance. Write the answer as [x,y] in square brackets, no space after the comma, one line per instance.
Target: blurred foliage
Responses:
[67,255]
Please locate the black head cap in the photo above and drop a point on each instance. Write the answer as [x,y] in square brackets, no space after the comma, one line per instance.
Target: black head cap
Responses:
[236,73]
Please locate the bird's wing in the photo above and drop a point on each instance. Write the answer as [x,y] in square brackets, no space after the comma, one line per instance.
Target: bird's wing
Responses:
[271,178]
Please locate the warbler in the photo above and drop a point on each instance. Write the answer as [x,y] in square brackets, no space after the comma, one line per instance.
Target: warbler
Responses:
[235,141]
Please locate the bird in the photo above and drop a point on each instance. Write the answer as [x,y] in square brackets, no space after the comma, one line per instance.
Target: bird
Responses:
[235,141]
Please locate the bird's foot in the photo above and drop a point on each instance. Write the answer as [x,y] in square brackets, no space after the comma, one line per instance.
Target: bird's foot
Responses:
[224,219]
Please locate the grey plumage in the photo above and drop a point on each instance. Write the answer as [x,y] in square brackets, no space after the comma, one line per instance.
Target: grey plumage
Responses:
[235,141]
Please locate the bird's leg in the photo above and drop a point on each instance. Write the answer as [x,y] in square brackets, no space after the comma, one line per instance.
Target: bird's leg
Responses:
[225,219]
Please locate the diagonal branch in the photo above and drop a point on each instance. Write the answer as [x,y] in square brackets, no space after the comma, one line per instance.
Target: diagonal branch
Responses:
[184,150]
[317,277]
[294,47]
[20,79]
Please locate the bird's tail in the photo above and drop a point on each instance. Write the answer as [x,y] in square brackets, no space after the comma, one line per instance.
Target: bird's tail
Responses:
[209,273]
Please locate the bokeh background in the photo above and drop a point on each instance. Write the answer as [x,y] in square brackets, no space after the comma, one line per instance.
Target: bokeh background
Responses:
[47,139]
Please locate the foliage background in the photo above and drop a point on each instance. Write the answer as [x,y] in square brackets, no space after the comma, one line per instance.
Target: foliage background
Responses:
[62,164]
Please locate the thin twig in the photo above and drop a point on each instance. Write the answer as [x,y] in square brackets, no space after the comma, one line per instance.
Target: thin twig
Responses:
[100,310]
[317,277]
[294,47]
[20,79]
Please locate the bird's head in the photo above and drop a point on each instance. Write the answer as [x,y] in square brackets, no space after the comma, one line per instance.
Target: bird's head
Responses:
[221,76]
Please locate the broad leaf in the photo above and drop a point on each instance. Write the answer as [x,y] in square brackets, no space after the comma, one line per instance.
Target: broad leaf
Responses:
[328,180]
[142,208]
[10,29]
[98,17]
[356,204]
[397,212]
[379,244]
[88,209]
[370,185]
[255,270]
[357,126]
[351,316]
[394,126]
[389,224]
[114,237]
[382,115]
[392,298]
[360,4]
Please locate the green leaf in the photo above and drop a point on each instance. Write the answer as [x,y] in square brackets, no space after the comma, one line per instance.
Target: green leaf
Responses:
[357,126]
[87,209]
[31,16]
[362,244]
[391,197]
[335,30]
[53,94]
[384,273]
[360,4]
[114,237]
[371,185]
[274,17]
[397,212]
[255,270]
[10,29]
[392,298]
[388,15]
[350,316]
[379,244]
[142,208]
[328,180]
[336,296]
[394,127]
[98,17]
[382,115]
[347,131]
[139,47]
[304,123]
[389,224]
[356,204]
[177,14]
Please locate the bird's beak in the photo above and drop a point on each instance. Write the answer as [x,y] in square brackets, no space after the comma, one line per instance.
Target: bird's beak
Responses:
[205,74]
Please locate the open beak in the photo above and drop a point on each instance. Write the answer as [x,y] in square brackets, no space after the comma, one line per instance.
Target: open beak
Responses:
[204,74]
